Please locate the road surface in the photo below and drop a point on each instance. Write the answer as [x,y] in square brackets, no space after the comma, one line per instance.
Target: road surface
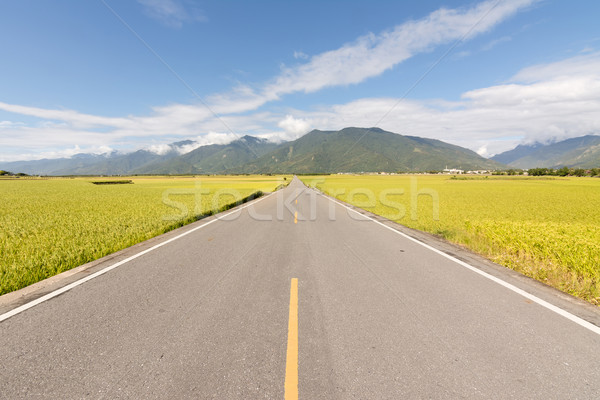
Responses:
[379,316]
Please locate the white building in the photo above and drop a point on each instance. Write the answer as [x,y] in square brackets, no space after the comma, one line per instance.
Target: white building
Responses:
[453,171]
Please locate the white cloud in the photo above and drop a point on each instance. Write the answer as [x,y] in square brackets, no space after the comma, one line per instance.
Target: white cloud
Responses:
[9,124]
[171,13]
[186,148]
[462,54]
[160,149]
[201,140]
[210,138]
[482,151]
[583,65]
[294,127]
[75,118]
[587,50]
[496,42]
[58,153]
[300,55]
[40,138]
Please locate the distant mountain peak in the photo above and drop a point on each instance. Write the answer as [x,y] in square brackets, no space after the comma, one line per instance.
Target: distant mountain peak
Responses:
[581,152]
[83,156]
[251,139]
[183,143]
[374,130]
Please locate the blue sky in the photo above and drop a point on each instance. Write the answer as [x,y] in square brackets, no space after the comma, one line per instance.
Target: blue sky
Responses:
[96,76]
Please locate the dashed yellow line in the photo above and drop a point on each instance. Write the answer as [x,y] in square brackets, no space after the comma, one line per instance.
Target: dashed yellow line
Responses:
[291,364]
[296,217]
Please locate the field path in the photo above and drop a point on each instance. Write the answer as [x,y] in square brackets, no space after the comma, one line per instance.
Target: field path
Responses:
[217,312]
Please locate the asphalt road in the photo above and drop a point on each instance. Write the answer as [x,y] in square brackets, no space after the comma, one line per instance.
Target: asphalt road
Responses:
[379,317]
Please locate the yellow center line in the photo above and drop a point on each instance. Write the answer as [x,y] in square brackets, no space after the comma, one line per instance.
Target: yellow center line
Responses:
[291,364]
[296,217]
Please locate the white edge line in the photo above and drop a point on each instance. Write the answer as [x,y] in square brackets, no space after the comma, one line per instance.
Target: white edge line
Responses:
[70,286]
[543,303]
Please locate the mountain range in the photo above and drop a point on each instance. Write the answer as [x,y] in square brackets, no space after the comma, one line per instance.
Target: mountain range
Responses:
[211,159]
[113,163]
[364,150]
[347,150]
[580,152]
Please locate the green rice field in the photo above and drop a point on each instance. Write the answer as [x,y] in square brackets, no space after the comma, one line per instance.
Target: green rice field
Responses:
[52,225]
[545,228]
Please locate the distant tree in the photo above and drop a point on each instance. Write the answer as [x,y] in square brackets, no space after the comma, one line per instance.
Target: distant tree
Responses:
[564,171]
[21,174]
[540,171]
[2,173]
